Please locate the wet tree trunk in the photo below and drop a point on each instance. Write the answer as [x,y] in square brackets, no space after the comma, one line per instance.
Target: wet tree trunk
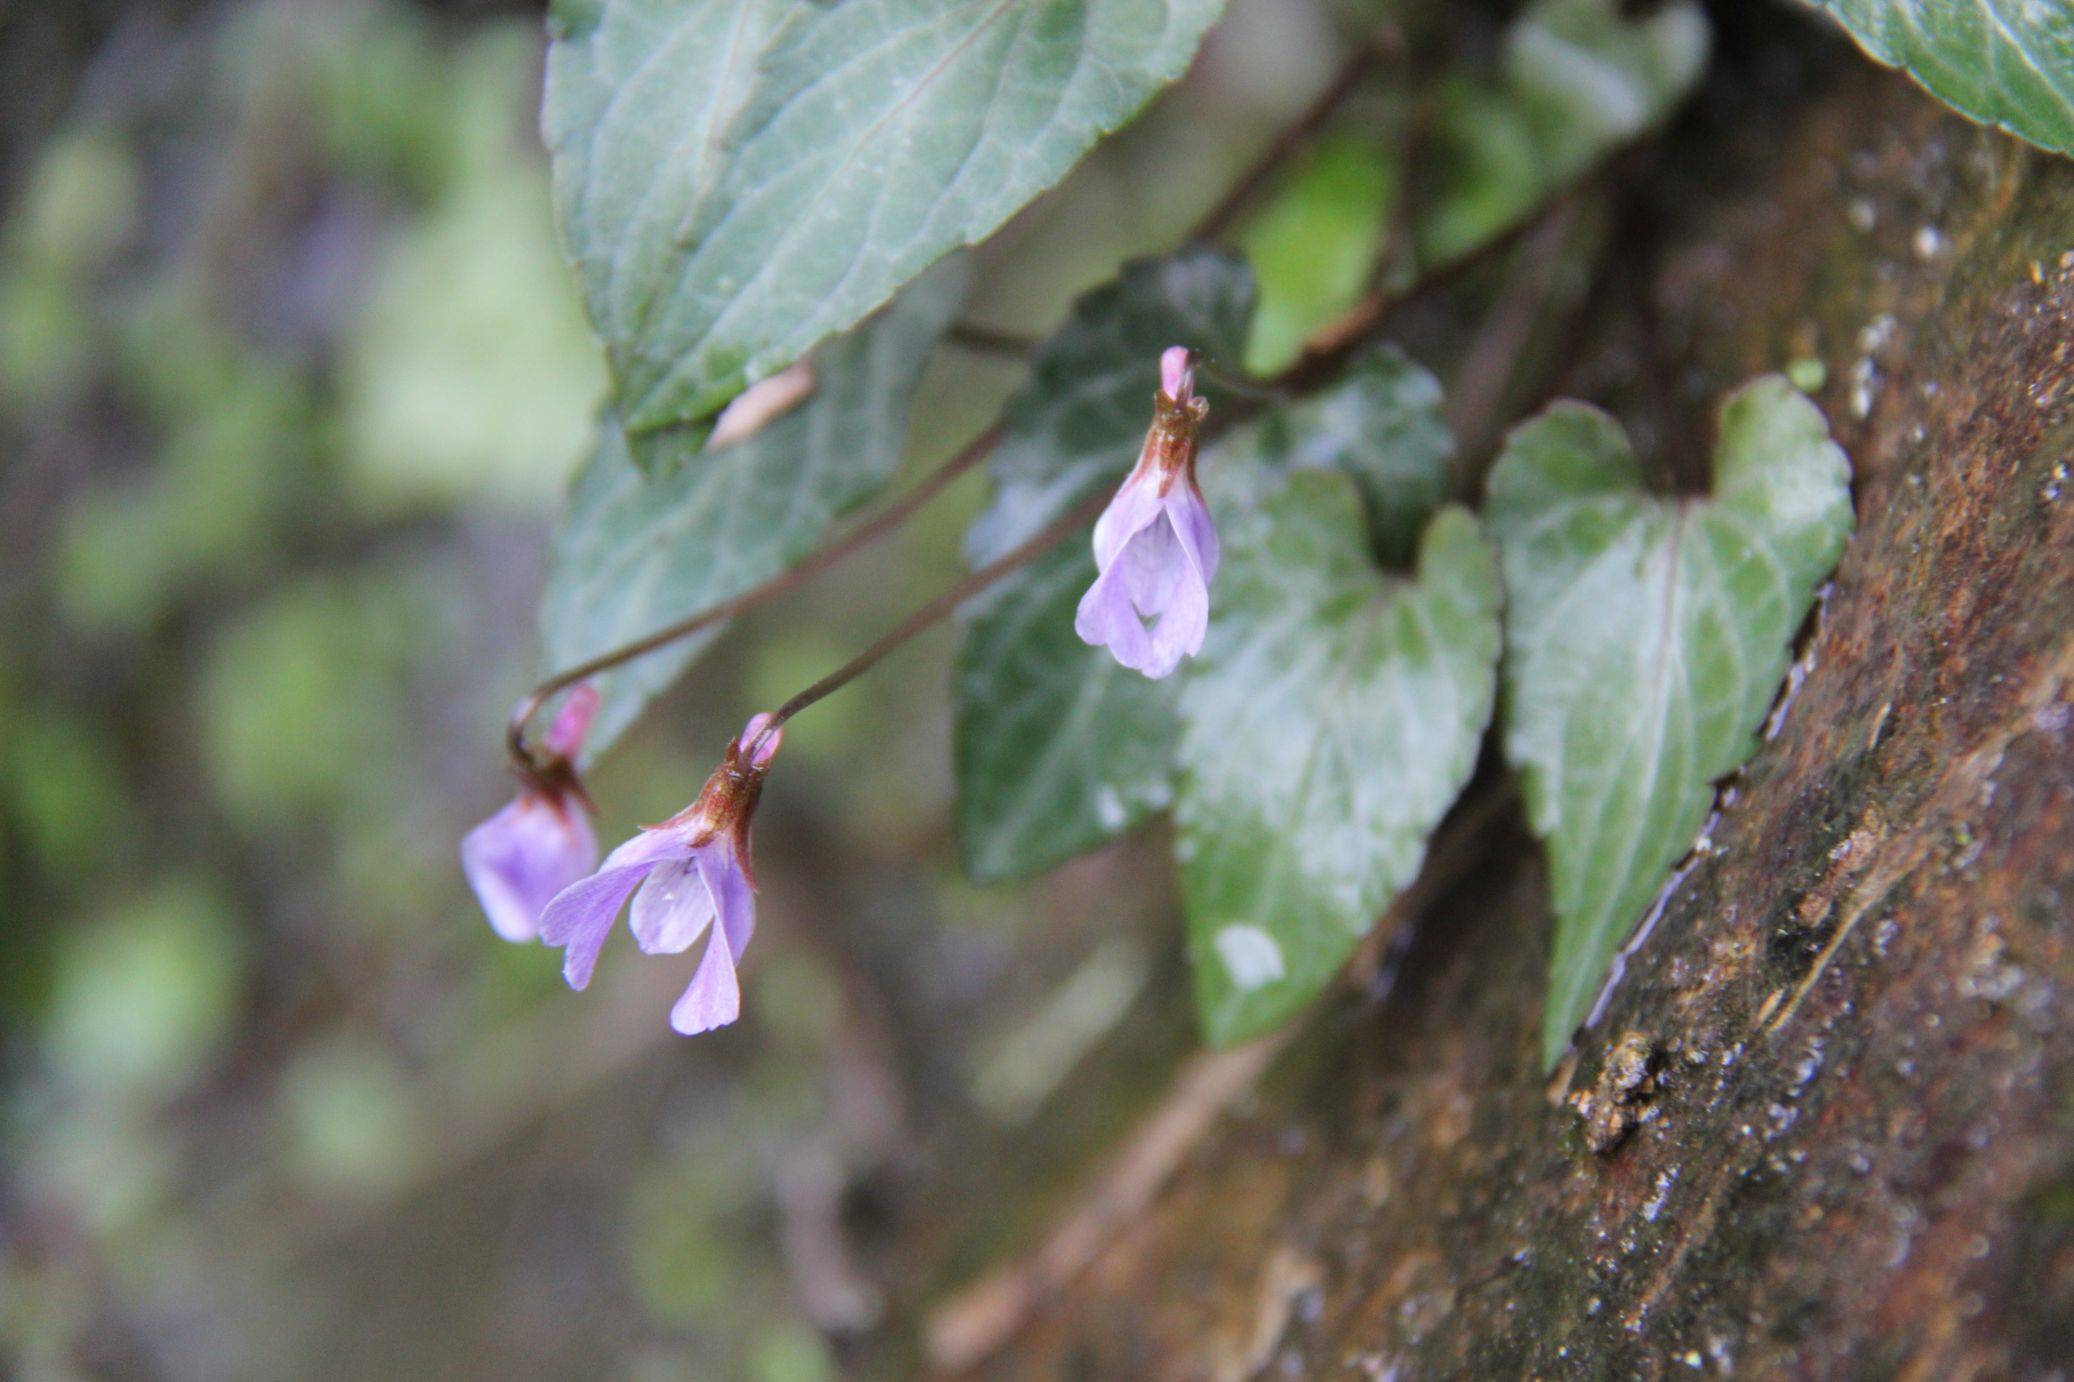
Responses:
[1826,1126]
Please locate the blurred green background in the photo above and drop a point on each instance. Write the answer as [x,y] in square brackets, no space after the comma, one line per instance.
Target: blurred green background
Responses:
[291,377]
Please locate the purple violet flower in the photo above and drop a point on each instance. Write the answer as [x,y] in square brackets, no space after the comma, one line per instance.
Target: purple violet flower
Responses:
[542,840]
[692,872]
[1155,545]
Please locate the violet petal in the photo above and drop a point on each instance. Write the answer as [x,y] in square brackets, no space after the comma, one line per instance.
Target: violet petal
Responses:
[714,997]
[733,897]
[518,859]
[581,915]
[1135,504]
[673,908]
[1196,529]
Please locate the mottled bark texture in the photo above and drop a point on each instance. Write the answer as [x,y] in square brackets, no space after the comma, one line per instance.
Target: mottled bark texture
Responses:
[1826,1126]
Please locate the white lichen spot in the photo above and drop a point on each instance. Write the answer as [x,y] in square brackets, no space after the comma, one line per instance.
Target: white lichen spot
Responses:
[1109,809]
[1250,956]
[1654,1205]
[1864,384]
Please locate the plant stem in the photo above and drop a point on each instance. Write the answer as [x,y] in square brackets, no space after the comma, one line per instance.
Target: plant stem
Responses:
[991,340]
[1219,219]
[887,519]
[1312,368]
[1015,558]
[1323,357]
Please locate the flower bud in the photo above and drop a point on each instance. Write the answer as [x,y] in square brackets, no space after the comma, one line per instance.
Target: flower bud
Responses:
[542,841]
[1156,547]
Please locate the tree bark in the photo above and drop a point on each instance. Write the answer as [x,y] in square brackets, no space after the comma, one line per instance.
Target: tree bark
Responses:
[1826,1125]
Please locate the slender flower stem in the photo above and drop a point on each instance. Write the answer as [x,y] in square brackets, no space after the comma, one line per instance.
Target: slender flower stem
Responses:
[892,516]
[1323,357]
[991,340]
[970,335]
[1242,386]
[1047,537]
[1318,363]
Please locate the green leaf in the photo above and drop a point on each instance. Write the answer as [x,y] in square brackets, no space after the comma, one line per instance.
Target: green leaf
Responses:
[741,178]
[1645,638]
[1058,748]
[1578,80]
[1314,245]
[2006,63]
[634,554]
[1332,719]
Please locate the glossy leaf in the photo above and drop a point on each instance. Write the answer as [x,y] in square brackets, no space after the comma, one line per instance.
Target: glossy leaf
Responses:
[1645,638]
[634,554]
[1383,425]
[738,179]
[1059,748]
[2007,63]
[1332,719]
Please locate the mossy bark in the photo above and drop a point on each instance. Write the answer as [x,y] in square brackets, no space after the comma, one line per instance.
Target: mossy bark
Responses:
[1826,1126]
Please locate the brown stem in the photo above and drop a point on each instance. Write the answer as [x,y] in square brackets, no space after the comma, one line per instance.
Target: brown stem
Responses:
[1015,558]
[1323,358]
[1327,352]
[991,340]
[892,516]
[1219,218]
[972,336]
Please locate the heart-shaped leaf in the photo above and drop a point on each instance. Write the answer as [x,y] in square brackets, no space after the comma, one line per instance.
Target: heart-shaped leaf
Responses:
[1332,719]
[738,179]
[1645,638]
[1381,424]
[634,554]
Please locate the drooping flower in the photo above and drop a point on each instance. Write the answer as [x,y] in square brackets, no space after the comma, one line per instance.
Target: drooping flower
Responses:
[542,840]
[693,876]
[1155,546]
